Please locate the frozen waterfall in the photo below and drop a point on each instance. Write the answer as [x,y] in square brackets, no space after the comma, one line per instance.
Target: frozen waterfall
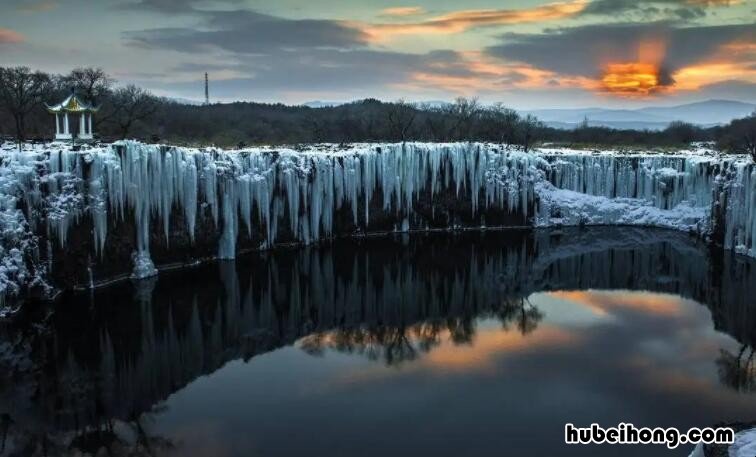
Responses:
[151,201]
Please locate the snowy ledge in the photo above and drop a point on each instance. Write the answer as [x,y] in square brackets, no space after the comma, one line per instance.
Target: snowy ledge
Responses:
[80,218]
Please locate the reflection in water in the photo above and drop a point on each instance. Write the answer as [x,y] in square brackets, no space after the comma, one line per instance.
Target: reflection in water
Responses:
[97,372]
[394,344]
[738,371]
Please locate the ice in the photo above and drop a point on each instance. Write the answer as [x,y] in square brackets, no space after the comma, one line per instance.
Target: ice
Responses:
[744,445]
[739,196]
[697,451]
[256,193]
[565,207]
[143,266]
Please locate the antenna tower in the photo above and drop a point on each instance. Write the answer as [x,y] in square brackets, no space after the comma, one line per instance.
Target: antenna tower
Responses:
[207,91]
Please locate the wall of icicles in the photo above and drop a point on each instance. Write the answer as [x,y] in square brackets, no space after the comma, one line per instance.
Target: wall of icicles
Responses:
[81,218]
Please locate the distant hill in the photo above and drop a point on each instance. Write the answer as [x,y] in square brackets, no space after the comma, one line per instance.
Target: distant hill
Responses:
[321,104]
[707,113]
[619,125]
[185,101]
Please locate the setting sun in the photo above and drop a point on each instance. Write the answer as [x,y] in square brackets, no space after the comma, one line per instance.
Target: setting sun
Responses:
[632,79]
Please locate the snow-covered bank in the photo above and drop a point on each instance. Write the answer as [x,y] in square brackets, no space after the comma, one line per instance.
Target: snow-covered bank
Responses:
[78,218]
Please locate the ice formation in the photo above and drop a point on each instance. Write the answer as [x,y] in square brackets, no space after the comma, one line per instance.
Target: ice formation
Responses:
[744,445]
[281,194]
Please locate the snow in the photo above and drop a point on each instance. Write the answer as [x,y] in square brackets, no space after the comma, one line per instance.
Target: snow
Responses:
[143,266]
[697,451]
[45,190]
[744,445]
[566,207]
[19,186]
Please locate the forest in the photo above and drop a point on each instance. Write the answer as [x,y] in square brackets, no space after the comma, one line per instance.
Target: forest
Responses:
[133,112]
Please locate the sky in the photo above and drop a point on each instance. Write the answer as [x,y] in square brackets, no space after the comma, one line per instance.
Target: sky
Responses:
[527,54]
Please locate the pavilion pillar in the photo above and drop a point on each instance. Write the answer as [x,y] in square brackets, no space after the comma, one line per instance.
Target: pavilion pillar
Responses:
[90,124]
[57,124]
[82,125]
[65,124]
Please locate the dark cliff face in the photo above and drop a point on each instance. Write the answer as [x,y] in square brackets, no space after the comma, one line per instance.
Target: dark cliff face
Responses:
[76,264]
[79,263]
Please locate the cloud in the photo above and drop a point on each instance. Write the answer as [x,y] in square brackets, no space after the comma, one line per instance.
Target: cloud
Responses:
[253,52]
[248,32]
[460,21]
[248,53]
[639,10]
[619,6]
[38,6]
[173,6]
[730,89]
[714,2]
[587,49]
[403,11]
[357,73]
[633,59]
[8,36]
[472,72]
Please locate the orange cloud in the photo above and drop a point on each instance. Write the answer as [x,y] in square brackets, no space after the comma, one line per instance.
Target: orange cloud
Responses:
[713,2]
[732,61]
[647,77]
[696,76]
[460,21]
[641,78]
[403,11]
[8,36]
[476,72]
[634,79]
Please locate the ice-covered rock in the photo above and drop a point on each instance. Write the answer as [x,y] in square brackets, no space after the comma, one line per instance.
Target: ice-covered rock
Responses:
[131,202]
[744,445]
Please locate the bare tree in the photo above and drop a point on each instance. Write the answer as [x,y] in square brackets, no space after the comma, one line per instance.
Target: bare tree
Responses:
[529,127]
[465,112]
[504,121]
[92,83]
[740,136]
[437,122]
[131,104]
[746,130]
[400,116]
[316,128]
[95,86]
[21,91]
[525,315]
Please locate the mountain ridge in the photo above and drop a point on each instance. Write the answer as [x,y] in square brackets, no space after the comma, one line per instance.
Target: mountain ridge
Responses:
[705,113]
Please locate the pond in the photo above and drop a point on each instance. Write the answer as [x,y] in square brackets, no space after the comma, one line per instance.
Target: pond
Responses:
[468,343]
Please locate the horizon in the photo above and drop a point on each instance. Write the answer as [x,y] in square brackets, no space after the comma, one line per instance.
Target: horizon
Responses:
[529,54]
[331,103]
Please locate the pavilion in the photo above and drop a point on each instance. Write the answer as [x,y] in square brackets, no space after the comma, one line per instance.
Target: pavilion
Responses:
[75,106]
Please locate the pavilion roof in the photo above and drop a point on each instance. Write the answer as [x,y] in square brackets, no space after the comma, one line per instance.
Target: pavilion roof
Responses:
[72,104]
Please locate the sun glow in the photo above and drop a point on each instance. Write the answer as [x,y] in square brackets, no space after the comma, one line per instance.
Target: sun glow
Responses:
[633,79]
[641,78]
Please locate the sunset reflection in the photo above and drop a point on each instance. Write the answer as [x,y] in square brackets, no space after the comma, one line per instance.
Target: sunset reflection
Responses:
[605,302]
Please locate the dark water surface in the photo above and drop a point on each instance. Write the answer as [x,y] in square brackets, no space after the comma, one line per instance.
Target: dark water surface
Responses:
[440,344]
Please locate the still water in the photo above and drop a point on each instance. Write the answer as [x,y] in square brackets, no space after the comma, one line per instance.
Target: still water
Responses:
[443,344]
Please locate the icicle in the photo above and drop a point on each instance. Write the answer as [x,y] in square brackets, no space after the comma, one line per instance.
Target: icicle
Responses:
[258,189]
